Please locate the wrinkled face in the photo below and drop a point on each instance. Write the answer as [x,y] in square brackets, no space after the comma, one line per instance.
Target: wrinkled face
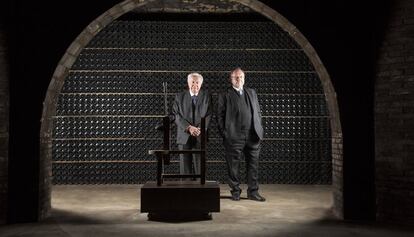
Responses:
[195,84]
[237,79]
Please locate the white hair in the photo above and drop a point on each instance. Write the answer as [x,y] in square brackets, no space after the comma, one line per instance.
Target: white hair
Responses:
[194,74]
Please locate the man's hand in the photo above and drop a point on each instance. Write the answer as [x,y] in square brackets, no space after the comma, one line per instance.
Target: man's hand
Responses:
[194,131]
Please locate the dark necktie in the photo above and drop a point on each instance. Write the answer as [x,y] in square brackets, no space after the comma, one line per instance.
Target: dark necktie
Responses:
[194,99]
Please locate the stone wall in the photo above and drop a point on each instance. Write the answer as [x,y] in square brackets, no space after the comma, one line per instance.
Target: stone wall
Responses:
[4,125]
[337,175]
[394,117]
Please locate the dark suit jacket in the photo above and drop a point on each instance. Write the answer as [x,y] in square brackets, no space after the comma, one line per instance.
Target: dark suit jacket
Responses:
[182,110]
[227,111]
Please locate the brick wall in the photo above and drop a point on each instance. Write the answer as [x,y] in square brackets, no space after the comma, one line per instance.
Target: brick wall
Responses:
[4,118]
[394,117]
[337,175]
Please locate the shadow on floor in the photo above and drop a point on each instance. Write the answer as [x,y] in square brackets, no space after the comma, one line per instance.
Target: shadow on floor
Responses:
[69,217]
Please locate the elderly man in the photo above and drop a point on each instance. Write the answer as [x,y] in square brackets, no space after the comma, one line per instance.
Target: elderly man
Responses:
[239,121]
[189,107]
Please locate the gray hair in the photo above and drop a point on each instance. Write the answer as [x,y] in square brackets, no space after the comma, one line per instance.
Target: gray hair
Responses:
[194,74]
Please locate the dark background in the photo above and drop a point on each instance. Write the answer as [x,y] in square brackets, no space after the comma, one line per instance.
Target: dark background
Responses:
[346,35]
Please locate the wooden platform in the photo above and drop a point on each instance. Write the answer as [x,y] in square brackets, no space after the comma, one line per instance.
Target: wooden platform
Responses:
[180,197]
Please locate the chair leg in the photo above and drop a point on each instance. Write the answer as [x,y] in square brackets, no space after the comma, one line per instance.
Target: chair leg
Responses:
[159,170]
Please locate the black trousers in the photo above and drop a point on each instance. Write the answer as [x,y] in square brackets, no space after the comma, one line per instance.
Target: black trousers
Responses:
[190,163]
[248,144]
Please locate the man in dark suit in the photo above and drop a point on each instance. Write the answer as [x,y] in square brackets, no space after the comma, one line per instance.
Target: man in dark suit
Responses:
[189,107]
[239,121]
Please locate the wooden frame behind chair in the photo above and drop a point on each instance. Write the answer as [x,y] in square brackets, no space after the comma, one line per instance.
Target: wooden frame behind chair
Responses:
[163,156]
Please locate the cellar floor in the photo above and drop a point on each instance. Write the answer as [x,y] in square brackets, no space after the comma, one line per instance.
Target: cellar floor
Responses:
[113,210]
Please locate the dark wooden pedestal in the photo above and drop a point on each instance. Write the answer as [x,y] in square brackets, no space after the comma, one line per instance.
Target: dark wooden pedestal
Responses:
[170,200]
[180,199]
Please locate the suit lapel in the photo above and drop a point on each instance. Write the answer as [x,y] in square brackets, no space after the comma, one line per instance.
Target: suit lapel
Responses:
[187,98]
[199,98]
[199,103]
[229,97]
[187,105]
[249,98]
[248,94]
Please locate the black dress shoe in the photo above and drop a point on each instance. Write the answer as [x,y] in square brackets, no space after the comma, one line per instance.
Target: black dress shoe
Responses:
[235,196]
[256,197]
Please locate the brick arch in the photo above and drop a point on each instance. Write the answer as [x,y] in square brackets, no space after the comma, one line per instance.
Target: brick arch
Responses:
[68,59]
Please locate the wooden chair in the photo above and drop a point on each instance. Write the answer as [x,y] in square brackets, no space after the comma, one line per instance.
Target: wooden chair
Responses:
[163,156]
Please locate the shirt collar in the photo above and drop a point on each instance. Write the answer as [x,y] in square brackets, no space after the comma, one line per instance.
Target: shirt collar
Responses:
[241,88]
[192,94]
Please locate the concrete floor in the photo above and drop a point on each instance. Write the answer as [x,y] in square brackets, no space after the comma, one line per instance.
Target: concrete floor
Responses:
[113,210]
